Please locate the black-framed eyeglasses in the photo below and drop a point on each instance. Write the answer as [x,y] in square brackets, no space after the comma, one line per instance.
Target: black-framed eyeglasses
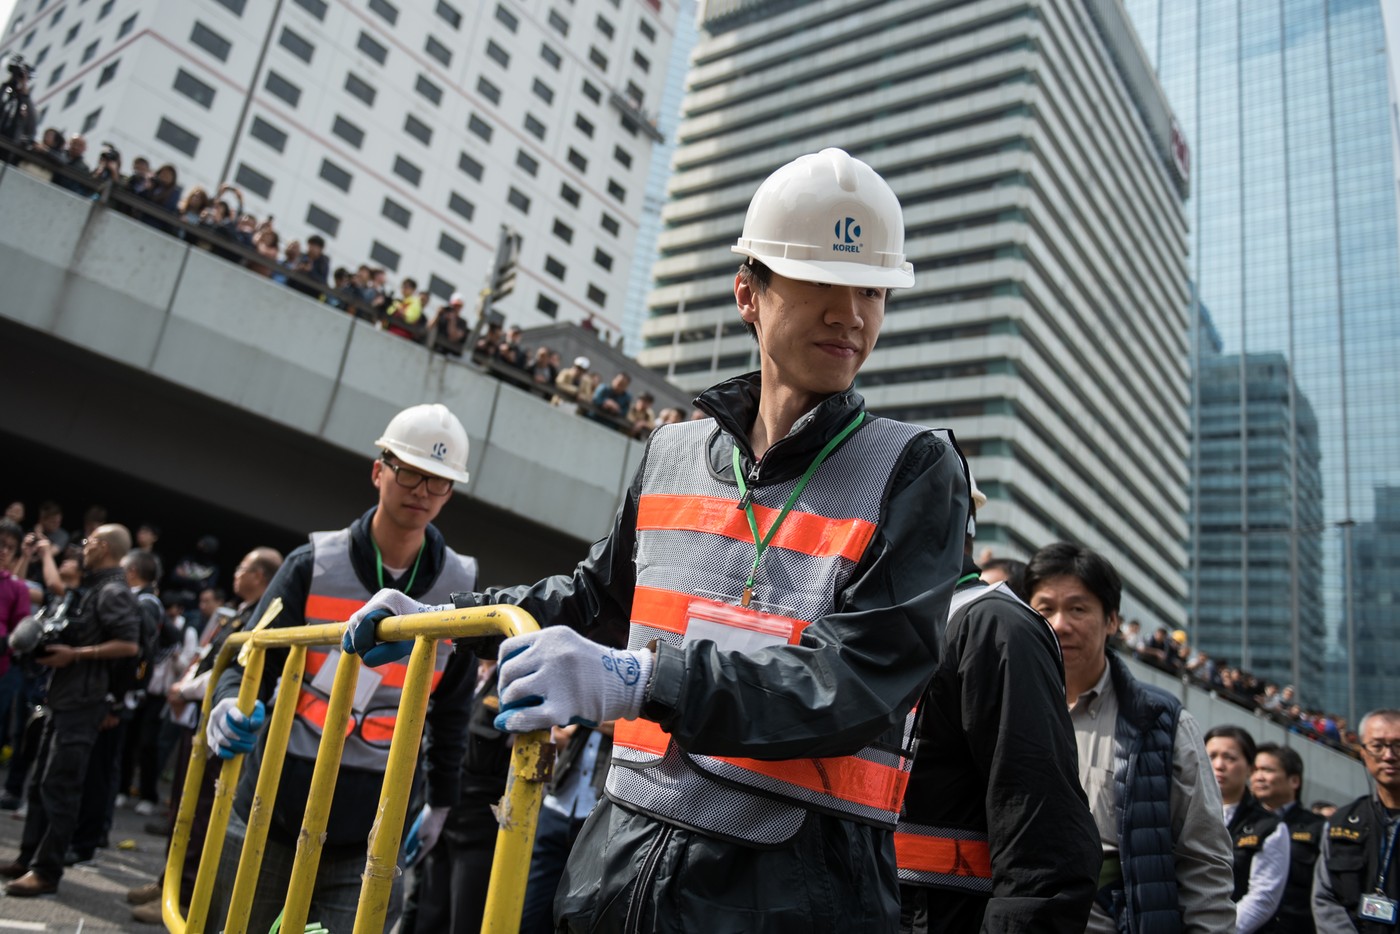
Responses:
[408,478]
[1378,749]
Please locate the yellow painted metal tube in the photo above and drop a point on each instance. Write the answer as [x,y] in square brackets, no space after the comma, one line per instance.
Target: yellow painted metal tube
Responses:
[269,777]
[318,797]
[531,762]
[381,864]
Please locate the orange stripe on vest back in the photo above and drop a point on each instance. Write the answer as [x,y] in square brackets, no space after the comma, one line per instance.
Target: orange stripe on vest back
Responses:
[314,710]
[645,735]
[665,609]
[943,855]
[331,609]
[803,532]
[849,778]
[391,675]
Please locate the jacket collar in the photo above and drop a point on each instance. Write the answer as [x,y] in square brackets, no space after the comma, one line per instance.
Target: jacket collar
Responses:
[362,557]
[734,405]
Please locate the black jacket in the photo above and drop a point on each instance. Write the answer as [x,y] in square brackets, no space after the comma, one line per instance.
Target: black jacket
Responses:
[356,790]
[997,755]
[106,610]
[1305,831]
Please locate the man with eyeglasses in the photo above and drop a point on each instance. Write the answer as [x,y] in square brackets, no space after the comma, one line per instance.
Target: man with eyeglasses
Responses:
[394,544]
[1356,887]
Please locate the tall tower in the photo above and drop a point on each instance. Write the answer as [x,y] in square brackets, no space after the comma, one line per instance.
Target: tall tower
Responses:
[1042,182]
[1288,106]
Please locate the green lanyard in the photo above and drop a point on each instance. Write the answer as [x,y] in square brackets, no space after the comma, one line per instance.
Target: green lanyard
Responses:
[761,542]
[379,564]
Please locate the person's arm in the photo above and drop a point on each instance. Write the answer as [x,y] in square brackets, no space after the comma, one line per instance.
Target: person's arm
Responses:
[1328,913]
[1204,865]
[1267,875]
[857,671]
[120,620]
[1044,843]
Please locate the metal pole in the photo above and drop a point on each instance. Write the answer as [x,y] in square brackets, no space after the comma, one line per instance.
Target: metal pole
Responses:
[248,98]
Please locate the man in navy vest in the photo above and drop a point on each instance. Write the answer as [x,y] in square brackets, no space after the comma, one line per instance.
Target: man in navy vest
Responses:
[1167,865]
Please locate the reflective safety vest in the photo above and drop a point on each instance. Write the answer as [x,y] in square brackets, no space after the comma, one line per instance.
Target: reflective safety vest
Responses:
[946,857]
[694,543]
[335,594]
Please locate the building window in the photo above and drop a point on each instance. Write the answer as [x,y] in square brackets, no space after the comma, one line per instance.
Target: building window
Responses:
[385,9]
[488,90]
[57,15]
[418,129]
[527,163]
[268,134]
[451,246]
[459,205]
[316,8]
[555,268]
[440,287]
[518,200]
[602,260]
[29,36]
[348,131]
[551,57]
[558,23]
[563,231]
[438,51]
[396,212]
[609,223]
[43,54]
[597,296]
[597,57]
[584,125]
[297,44]
[90,121]
[177,137]
[641,61]
[569,193]
[623,157]
[636,93]
[336,175]
[449,14]
[234,6]
[591,92]
[506,18]
[470,166]
[72,97]
[543,91]
[371,48]
[252,180]
[383,256]
[196,90]
[647,30]
[322,220]
[428,90]
[578,160]
[547,306]
[56,76]
[407,171]
[102,11]
[278,86]
[534,127]
[72,33]
[108,73]
[209,40]
[480,127]
[88,52]
[360,88]
[497,54]
[127,25]
[616,190]
[604,26]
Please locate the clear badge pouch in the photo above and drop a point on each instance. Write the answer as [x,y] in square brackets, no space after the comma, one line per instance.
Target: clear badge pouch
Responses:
[736,628]
[365,685]
[1378,908]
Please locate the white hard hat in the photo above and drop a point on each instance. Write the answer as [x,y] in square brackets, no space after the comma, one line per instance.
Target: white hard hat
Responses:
[429,438]
[456,299]
[829,218]
[581,362]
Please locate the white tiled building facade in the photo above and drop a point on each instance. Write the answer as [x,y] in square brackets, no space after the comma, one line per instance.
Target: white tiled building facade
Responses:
[1042,187]
[405,132]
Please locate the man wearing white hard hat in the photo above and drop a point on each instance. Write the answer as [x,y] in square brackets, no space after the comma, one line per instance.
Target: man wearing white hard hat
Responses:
[423,452]
[779,573]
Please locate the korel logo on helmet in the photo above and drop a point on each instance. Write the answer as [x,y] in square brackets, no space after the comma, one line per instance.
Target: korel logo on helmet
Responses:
[439,451]
[847,235]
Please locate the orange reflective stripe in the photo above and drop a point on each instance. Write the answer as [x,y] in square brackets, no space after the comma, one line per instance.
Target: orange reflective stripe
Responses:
[313,709]
[391,675]
[665,609]
[801,531]
[645,735]
[378,729]
[331,609]
[849,778]
[946,856]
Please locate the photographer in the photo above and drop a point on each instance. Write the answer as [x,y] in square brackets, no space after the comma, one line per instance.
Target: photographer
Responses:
[109,166]
[77,148]
[105,627]
[16,109]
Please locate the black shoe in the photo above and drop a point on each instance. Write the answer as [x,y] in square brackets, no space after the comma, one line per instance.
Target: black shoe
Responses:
[157,828]
[74,857]
[9,802]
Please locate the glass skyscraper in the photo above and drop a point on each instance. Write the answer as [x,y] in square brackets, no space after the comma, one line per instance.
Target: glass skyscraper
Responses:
[1287,107]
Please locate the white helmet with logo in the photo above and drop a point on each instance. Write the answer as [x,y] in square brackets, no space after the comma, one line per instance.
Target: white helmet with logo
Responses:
[830,218]
[428,438]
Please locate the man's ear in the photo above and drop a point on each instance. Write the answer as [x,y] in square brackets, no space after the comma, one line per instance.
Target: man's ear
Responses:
[746,297]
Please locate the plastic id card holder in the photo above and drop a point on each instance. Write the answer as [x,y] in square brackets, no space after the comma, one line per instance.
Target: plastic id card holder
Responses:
[365,687]
[735,628]
[1378,908]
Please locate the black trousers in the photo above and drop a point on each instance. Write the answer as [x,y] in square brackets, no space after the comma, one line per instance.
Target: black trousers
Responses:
[95,814]
[57,789]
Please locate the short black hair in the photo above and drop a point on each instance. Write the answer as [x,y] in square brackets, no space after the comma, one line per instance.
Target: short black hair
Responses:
[144,564]
[316,240]
[1240,735]
[1068,559]
[1015,572]
[1288,758]
[10,529]
[756,276]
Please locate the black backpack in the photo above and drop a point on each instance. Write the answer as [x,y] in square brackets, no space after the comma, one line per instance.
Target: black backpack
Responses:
[130,674]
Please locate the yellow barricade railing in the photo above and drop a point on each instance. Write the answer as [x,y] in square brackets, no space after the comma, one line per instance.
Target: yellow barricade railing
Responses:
[517,814]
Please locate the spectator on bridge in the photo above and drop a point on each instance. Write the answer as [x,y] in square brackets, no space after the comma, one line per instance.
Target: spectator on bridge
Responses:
[489,344]
[193,205]
[613,400]
[542,369]
[140,178]
[641,416]
[163,191]
[670,416]
[315,264]
[448,331]
[510,351]
[405,315]
[566,384]
[75,160]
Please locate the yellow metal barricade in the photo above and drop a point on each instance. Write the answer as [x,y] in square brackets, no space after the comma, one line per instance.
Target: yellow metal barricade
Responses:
[517,814]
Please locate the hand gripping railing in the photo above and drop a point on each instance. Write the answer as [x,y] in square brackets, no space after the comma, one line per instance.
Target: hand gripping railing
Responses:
[517,814]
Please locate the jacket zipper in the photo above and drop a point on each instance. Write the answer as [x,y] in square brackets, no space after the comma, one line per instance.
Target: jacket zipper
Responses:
[633,923]
[748,494]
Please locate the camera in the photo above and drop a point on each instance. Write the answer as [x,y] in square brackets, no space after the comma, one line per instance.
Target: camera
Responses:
[109,154]
[19,70]
[34,634]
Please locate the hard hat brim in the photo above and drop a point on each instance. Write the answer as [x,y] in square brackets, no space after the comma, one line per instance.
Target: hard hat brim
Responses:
[837,272]
[423,464]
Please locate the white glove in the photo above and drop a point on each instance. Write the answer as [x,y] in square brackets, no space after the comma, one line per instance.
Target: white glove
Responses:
[230,733]
[424,833]
[359,635]
[555,677]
